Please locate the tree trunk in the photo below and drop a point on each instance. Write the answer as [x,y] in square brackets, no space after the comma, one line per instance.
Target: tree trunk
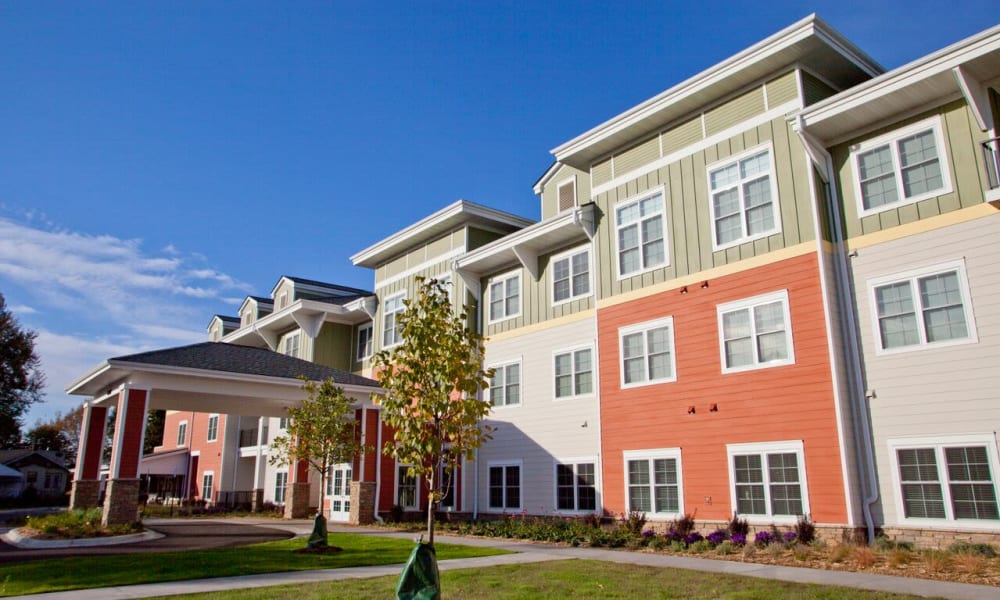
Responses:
[430,510]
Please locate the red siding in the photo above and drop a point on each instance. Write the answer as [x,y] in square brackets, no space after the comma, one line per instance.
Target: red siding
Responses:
[133,405]
[792,402]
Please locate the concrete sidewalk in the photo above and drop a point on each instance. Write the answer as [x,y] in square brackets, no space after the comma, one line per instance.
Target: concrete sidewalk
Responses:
[532,553]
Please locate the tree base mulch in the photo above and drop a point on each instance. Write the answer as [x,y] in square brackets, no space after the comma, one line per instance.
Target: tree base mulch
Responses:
[321,550]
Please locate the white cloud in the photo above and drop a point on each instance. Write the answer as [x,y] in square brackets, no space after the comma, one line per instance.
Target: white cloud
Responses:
[22,309]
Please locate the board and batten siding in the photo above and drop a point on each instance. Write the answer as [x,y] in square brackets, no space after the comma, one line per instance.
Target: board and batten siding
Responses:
[333,346]
[541,429]
[963,140]
[780,403]
[688,210]
[932,392]
[536,296]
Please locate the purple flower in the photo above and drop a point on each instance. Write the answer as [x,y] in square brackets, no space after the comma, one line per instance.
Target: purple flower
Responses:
[693,538]
[716,537]
[763,538]
[789,537]
[673,536]
[648,533]
[738,539]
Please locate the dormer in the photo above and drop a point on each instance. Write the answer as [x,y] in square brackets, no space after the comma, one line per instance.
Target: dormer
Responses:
[221,326]
[561,189]
[253,308]
[289,289]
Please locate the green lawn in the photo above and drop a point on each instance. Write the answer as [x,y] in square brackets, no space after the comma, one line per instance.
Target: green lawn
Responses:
[566,579]
[36,576]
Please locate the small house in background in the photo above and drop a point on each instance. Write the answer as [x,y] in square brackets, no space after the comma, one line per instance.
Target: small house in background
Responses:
[43,470]
[11,482]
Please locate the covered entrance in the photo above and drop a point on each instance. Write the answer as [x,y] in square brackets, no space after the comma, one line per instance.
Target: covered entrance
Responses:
[209,377]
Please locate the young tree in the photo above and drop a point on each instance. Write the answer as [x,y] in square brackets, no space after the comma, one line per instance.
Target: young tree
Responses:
[431,384]
[21,382]
[322,431]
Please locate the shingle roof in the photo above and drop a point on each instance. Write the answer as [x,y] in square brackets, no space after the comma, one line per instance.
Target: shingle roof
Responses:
[228,319]
[262,299]
[332,286]
[11,456]
[246,360]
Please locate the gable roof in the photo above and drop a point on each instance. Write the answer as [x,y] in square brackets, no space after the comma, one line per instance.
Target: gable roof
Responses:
[320,286]
[19,456]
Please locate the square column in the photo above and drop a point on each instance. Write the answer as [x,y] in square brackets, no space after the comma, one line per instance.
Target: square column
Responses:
[121,503]
[86,489]
[297,492]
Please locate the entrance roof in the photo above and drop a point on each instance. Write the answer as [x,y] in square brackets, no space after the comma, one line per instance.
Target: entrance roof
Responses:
[216,377]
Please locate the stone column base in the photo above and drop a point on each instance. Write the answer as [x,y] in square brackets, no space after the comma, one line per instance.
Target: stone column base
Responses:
[85,494]
[297,501]
[362,502]
[121,503]
[257,500]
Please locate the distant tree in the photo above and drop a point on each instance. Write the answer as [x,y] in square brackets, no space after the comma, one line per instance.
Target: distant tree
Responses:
[21,381]
[431,384]
[154,430]
[47,436]
[321,431]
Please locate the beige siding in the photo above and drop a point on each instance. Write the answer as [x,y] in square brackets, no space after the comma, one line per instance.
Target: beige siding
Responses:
[550,192]
[480,237]
[407,284]
[965,167]
[285,288]
[814,90]
[637,156]
[541,429]
[682,135]
[782,89]
[939,391]
[688,209]
[735,111]
[601,172]
[333,346]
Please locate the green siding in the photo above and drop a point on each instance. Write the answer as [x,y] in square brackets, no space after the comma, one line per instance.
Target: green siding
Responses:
[682,135]
[689,221]
[333,346]
[637,156]
[550,192]
[782,89]
[481,237]
[962,139]
[735,111]
[814,90]
[601,172]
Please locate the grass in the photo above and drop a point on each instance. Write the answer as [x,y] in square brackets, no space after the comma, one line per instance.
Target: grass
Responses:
[567,579]
[36,576]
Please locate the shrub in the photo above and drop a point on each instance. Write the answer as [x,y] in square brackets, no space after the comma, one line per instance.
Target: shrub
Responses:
[975,549]
[789,537]
[717,537]
[658,543]
[738,526]
[899,557]
[700,546]
[885,544]
[840,553]
[738,539]
[677,546]
[936,561]
[632,522]
[818,544]
[805,530]
[725,548]
[693,538]
[672,535]
[801,552]
[972,564]
[864,557]
[685,524]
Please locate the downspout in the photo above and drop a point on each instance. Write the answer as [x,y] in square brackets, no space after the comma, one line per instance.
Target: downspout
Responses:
[862,424]
[236,460]
[591,233]
[378,463]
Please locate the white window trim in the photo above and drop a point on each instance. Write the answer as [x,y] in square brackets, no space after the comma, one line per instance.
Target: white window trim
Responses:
[569,254]
[939,443]
[208,428]
[574,462]
[520,484]
[772,181]
[912,275]
[274,490]
[489,389]
[890,139]
[182,440]
[637,198]
[282,300]
[655,454]
[292,340]
[201,489]
[646,326]
[750,303]
[502,278]
[783,447]
[456,474]
[395,489]
[576,196]
[593,372]
[401,296]
[360,352]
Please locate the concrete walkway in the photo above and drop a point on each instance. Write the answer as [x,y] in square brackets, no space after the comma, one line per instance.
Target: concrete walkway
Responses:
[532,553]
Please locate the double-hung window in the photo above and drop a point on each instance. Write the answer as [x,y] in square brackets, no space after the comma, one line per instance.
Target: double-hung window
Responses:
[505,296]
[212,431]
[505,386]
[364,349]
[280,485]
[292,345]
[574,373]
[926,307]
[571,275]
[207,481]
[744,199]
[576,486]
[901,168]
[952,480]
[654,481]
[406,487]
[182,429]
[640,225]
[755,333]
[391,309]
[647,352]
[768,480]
[505,486]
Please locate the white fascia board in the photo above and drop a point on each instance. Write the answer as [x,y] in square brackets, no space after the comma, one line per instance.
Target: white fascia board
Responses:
[293,382]
[280,319]
[546,176]
[403,238]
[74,387]
[905,76]
[809,26]
[281,280]
[511,242]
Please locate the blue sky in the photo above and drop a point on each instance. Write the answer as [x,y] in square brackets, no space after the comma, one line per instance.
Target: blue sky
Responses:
[161,160]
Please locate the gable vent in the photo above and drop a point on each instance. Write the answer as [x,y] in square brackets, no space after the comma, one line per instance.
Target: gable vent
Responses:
[567,195]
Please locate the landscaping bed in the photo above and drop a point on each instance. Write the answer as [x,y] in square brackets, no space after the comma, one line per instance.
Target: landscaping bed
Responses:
[72,525]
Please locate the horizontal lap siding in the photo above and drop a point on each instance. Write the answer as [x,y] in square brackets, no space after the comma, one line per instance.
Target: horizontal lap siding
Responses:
[793,402]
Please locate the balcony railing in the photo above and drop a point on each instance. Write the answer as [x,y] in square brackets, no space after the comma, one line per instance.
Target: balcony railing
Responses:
[241,500]
[991,156]
[248,437]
